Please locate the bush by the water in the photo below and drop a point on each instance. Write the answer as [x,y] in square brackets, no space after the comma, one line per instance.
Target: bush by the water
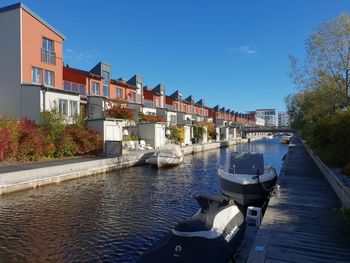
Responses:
[25,140]
[329,138]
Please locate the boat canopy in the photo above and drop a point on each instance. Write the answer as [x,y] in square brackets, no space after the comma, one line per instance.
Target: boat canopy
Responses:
[170,150]
[246,163]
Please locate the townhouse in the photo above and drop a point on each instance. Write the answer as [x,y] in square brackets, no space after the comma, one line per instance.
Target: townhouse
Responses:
[33,79]
[31,66]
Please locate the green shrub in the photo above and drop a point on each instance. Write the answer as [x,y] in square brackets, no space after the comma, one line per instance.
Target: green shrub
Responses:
[130,138]
[198,132]
[177,134]
[54,123]
[329,138]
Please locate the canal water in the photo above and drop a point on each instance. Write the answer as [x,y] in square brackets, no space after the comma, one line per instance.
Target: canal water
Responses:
[112,217]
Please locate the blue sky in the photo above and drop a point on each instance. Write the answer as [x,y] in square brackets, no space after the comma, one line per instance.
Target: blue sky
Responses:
[231,53]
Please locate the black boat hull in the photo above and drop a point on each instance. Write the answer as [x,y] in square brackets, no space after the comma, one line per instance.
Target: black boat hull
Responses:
[248,194]
[172,248]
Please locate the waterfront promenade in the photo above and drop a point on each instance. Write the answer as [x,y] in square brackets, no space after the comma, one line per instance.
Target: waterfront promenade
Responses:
[302,224]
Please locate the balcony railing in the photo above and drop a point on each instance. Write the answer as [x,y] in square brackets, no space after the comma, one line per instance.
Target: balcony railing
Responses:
[75,87]
[48,56]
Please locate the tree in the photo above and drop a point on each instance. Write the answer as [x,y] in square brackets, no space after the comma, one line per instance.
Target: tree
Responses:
[327,64]
[320,109]
[117,109]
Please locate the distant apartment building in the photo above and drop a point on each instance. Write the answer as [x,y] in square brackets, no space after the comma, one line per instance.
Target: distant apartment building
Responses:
[256,120]
[268,115]
[31,66]
[283,119]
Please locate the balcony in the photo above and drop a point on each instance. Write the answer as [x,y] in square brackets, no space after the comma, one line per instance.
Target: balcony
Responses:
[74,87]
[48,56]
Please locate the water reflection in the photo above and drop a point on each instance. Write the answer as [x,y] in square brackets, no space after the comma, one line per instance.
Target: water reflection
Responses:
[112,217]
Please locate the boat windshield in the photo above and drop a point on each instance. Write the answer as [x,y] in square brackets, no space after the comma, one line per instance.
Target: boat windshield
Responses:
[247,163]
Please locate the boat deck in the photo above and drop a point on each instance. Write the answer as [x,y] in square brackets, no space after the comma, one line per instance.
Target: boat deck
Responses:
[303,223]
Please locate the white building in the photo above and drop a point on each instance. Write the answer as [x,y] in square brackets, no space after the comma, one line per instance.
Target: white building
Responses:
[283,119]
[268,115]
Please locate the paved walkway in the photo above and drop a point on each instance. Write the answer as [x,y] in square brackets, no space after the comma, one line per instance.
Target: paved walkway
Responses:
[303,224]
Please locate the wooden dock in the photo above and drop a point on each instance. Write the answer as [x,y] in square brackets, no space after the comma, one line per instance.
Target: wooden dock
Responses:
[303,223]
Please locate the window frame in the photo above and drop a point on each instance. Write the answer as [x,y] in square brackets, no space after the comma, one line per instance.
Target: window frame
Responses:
[60,102]
[41,75]
[93,86]
[52,78]
[71,102]
[117,92]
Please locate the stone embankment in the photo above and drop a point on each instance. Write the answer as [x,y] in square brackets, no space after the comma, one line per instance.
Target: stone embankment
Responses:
[26,176]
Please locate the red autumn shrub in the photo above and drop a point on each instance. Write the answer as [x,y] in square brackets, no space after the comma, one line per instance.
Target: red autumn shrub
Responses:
[151,118]
[30,141]
[49,143]
[8,145]
[86,141]
[117,109]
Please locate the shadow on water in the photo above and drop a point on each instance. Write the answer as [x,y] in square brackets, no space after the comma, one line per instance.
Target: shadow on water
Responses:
[112,217]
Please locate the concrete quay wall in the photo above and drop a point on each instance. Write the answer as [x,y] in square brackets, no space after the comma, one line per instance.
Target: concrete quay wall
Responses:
[15,179]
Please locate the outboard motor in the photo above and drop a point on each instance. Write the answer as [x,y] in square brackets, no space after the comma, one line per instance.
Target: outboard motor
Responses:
[211,235]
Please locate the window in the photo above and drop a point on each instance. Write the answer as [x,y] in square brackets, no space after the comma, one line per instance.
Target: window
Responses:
[48,51]
[157,102]
[119,93]
[95,88]
[105,91]
[63,107]
[49,78]
[73,108]
[105,76]
[132,97]
[48,45]
[37,75]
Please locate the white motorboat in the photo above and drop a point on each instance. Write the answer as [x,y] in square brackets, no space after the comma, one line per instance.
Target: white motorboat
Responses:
[269,136]
[167,156]
[248,181]
[286,138]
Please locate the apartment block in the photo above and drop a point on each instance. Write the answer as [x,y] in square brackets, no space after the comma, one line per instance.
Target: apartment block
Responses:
[283,119]
[269,115]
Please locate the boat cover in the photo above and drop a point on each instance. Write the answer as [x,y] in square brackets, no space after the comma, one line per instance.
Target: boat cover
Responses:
[217,216]
[179,247]
[246,163]
[171,150]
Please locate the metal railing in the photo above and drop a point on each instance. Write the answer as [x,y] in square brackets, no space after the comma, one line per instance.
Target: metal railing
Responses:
[74,87]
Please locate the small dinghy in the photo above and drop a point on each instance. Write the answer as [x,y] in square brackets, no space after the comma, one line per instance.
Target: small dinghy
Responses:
[249,181]
[211,235]
[167,156]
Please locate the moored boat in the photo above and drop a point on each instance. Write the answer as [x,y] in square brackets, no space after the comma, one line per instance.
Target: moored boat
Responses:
[211,235]
[286,138]
[167,156]
[248,181]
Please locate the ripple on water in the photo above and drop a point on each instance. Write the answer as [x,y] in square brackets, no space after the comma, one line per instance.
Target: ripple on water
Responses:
[112,217]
